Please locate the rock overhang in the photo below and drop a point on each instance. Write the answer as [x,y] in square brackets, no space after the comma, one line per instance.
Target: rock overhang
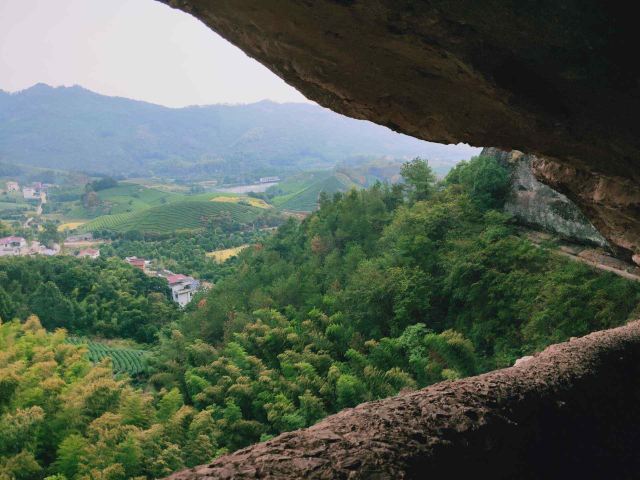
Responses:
[552,79]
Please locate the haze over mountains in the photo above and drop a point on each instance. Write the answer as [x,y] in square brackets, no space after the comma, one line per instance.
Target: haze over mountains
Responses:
[72,128]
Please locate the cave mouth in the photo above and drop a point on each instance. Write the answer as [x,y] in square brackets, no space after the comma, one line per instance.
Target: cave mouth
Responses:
[549,80]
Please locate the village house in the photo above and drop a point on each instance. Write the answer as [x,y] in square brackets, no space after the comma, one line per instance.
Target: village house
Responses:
[269,179]
[89,253]
[13,187]
[30,193]
[182,288]
[12,246]
[139,263]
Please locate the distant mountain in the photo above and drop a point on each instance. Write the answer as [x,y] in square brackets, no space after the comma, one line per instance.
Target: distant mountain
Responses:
[72,128]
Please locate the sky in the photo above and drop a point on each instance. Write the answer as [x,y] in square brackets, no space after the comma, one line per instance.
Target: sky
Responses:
[138,49]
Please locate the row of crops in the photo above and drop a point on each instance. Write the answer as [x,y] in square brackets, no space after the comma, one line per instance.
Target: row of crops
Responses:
[306,200]
[124,360]
[186,215]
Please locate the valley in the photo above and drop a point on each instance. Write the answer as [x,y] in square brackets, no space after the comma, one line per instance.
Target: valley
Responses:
[326,290]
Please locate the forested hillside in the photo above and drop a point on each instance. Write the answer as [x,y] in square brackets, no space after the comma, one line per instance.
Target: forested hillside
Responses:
[380,291]
[107,298]
[75,129]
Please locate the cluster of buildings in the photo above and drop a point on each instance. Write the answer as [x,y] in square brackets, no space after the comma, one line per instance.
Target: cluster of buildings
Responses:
[183,287]
[35,191]
[18,246]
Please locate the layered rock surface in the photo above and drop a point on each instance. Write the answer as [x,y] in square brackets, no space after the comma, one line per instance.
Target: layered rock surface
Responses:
[553,79]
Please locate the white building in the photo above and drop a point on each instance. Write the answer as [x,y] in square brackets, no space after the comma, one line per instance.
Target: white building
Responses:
[269,179]
[13,187]
[30,193]
[182,288]
[12,246]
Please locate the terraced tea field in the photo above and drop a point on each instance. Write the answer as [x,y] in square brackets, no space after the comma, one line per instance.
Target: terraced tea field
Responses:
[178,216]
[124,360]
[306,199]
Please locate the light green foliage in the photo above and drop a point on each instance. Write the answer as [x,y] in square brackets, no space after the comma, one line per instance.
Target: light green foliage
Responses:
[172,217]
[70,420]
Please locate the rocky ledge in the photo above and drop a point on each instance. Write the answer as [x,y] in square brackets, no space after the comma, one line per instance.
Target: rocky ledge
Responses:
[571,411]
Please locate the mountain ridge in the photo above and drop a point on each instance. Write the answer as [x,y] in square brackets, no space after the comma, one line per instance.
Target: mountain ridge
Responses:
[74,128]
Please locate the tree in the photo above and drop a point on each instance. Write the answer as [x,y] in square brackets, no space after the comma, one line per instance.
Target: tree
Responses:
[53,308]
[419,178]
[70,455]
[50,234]
[484,178]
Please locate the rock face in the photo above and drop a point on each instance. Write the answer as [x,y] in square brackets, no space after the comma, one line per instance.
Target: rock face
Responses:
[552,78]
[538,205]
[612,202]
[569,412]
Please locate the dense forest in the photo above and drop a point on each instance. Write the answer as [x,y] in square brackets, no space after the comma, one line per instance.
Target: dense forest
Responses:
[380,291]
[106,297]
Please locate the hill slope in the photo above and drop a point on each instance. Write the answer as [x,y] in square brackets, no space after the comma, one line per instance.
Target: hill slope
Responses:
[184,215]
[75,129]
[306,199]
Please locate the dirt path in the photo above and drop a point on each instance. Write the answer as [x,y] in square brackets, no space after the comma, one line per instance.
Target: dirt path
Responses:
[601,266]
[594,257]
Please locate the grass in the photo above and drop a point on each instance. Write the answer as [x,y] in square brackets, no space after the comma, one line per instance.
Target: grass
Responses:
[158,184]
[13,206]
[126,198]
[222,256]
[254,202]
[172,217]
[70,225]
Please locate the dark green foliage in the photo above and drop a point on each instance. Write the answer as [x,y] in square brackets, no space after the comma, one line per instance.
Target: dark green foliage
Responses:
[420,179]
[102,184]
[484,178]
[100,297]
[186,253]
[377,292]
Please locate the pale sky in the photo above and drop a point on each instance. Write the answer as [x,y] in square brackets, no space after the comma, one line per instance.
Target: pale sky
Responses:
[137,49]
